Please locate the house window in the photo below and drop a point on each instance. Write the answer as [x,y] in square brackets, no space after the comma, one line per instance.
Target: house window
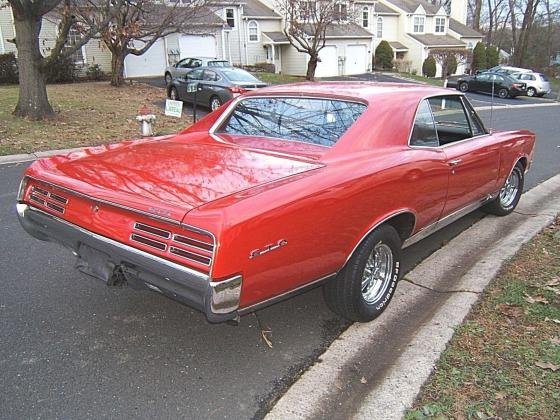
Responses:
[307,10]
[341,12]
[440,25]
[379,27]
[253,29]
[419,24]
[365,17]
[230,17]
[74,38]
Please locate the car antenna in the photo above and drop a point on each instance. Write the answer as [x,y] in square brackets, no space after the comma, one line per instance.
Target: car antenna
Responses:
[492,106]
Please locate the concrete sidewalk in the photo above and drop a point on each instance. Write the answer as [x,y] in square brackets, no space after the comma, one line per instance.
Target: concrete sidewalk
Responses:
[376,370]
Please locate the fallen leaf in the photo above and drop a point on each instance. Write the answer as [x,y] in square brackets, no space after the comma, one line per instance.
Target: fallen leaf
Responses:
[555,340]
[510,310]
[547,365]
[555,281]
[481,415]
[556,321]
[536,299]
[264,334]
[500,395]
[363,380]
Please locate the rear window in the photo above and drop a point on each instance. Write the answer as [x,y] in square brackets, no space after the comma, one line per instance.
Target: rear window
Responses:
[309,120]
[236,75]
[220,63]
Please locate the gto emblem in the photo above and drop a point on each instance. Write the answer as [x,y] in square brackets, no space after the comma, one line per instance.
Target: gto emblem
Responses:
[268,248]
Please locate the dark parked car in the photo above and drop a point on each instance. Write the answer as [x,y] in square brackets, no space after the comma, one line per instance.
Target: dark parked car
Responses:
[185,65]
[504,85]
[213,86]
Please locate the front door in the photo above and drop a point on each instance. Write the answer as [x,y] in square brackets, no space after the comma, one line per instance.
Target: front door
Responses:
[472,156]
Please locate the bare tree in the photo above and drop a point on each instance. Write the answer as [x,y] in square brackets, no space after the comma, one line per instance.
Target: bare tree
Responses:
[443,56]
[135,25]
[520,35]
[28,16]
[306,24]
[476,14]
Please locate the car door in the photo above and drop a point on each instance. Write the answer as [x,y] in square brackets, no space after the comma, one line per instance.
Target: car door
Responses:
[482,83]
[472,154]
[191,81]
[181,68]
[210,86]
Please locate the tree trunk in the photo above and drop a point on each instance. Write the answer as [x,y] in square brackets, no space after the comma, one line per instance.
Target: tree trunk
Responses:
[476,14]
[117,67]
[311,67]
[33,100]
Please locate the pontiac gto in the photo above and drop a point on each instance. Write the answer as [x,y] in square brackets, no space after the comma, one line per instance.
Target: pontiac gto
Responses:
[279,190]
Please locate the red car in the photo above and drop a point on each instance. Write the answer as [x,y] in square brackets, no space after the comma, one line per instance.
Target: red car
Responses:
[279,190]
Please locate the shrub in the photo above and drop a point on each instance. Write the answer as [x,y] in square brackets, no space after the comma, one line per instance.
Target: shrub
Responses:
[429,67]
[62,70]
[479,57]
[8,69]
[492,56]
[94,72]
[451,66]
[384,56]
[402,66]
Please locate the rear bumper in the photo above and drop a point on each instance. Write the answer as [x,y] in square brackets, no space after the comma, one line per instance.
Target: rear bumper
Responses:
[103,258]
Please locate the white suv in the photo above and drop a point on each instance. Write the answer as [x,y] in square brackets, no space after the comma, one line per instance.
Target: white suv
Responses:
[537,83]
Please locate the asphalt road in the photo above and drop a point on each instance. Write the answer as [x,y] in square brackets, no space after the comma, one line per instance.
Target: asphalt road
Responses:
[73,348]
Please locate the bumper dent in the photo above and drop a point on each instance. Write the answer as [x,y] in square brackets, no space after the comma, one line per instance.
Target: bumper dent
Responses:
[219,301]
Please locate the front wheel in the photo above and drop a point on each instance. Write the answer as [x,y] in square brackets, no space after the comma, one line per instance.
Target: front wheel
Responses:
[503,93]
[364,288]
[463,86]
[531,92]
[215,103]
[167,78]
[509,195]
[173,94]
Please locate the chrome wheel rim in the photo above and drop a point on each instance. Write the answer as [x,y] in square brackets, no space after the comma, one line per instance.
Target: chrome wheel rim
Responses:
[510,189]
[502,93]
[530,92]
[215,104]
[173,94]
[377,273]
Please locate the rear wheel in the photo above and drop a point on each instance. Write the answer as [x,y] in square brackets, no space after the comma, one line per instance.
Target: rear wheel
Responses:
[509,195]
[364,288]
[463,86]
[215,103]
[531,92]
[503,93]
[173,94]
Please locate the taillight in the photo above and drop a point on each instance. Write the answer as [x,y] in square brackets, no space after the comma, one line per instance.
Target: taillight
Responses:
[237,89]
[519,85]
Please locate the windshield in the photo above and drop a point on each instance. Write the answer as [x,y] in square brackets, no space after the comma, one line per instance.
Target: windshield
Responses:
[309,120]
[237,75]
[221,63]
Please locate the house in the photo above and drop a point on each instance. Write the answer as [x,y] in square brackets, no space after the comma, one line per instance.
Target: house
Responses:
[249,32]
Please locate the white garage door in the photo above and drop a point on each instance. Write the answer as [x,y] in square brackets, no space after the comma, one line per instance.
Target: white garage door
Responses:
[197,46]
[328,66]
[356,59]
[151,63]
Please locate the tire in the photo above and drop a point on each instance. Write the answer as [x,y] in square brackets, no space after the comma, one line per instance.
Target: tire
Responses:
[503,93]
[463,87]
[215,103]
[173,94]
[531,92]
[509,195]
[167,79]
[357,296]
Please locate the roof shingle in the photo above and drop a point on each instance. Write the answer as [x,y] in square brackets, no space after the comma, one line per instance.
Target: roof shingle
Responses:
[463,30]
[430,40]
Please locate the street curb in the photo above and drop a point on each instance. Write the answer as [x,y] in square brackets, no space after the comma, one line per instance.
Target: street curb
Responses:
[26,157]
[414,361]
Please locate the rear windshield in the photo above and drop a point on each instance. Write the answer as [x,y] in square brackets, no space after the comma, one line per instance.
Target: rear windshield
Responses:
[237,75]
[218,64]
[309,120]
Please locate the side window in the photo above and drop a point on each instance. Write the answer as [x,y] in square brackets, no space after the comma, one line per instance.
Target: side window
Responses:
[451,121]
[477,127]
[210,76]
[195,75]
[424,130]
[483,77]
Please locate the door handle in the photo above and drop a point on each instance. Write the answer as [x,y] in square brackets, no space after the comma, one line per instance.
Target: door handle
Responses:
[454,162]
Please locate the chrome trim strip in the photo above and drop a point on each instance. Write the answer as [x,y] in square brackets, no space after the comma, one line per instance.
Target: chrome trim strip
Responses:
[185,240]
[376,226]
[152,230]
[285,295]
[447,220]
[180,252]
[22,208]
[148,242]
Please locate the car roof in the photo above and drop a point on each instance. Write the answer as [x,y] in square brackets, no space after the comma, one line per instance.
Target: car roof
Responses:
[364,91]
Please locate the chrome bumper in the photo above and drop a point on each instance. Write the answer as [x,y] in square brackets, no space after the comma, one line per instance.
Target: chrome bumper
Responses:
[103,258]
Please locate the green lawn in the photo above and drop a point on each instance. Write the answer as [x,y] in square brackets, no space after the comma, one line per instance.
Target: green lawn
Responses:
[422,79]
[278,79]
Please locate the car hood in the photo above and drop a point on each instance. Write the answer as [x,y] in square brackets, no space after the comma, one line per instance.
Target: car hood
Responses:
[167,177]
